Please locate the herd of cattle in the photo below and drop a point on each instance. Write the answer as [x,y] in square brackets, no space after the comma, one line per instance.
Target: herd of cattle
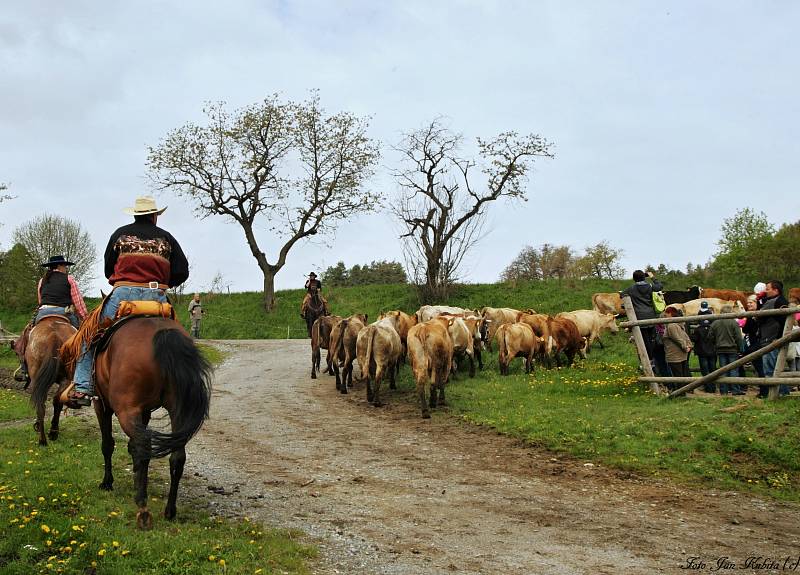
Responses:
[435,338]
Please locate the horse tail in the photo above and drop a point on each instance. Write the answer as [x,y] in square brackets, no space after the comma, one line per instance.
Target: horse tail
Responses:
[46,376]
[188,374]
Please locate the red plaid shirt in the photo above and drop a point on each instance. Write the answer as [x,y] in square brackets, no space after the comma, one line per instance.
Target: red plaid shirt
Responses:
[75,293]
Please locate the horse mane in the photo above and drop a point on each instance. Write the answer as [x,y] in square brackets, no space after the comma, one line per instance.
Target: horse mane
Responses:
[71,349]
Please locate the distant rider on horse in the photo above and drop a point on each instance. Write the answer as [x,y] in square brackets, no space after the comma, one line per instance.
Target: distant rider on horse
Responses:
[311,283]
[141,262]
[57,294]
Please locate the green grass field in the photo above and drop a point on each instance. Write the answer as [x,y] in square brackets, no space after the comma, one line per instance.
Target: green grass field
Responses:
[595,410]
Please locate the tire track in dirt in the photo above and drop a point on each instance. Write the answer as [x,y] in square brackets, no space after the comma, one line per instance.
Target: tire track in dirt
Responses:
[382,491]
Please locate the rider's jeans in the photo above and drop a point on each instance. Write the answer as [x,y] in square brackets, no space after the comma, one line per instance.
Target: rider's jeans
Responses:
[83,367]
[55,310]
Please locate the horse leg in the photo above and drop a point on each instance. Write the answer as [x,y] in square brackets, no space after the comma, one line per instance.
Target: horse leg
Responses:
[329,361]
[176,462]
[39,425]
[53,435]
[139,448]
[107,443]
[315,360]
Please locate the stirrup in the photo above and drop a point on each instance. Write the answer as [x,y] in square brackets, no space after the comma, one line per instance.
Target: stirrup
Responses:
[20,375]
[74,402]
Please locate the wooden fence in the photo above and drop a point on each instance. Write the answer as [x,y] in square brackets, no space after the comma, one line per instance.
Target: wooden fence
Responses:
[6,335]
[779,377]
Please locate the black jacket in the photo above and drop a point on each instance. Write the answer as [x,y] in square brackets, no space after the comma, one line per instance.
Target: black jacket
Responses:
[771,328]
[642,297]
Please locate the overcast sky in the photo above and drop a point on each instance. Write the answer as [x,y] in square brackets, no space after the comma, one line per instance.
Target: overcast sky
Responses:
[667,117]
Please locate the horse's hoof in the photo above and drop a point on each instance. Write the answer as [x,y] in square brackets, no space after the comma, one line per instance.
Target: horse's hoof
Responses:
[169,513]
[144,520]
[377,404]
[42,442]
[53,434]
[107,486]
[313,375]
[426,415]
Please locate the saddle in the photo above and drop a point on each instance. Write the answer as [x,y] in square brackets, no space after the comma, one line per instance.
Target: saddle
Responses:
[94,331]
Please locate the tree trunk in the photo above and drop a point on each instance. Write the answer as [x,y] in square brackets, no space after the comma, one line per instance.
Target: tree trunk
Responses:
[269,290]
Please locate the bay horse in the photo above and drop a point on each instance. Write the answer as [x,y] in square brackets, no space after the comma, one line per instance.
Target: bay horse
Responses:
[45,367]
[148,363]
[315,309]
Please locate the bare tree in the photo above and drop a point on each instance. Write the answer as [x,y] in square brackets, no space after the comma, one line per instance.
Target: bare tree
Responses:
[293,166]
[50,235]
[440,208]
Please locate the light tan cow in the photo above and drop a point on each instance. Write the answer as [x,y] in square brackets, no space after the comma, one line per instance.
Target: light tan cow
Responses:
[430,350]
[320,339]
[344,349]
[463,340]
[591,324]
[715,304]
[516,340]
[378,349]
[495,317]
[607,303]
[428,312]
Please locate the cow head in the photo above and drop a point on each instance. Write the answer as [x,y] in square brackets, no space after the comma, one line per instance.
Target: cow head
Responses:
[609,321]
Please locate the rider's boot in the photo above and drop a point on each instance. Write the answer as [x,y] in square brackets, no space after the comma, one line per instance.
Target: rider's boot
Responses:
[21,374]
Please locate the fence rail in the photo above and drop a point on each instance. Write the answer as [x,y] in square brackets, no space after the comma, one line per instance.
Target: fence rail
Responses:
[778,378]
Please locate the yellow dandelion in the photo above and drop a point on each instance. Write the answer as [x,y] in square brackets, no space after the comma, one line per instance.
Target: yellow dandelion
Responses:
[101,552]
[212,557]
[45,528]
[115,543]
[125,553]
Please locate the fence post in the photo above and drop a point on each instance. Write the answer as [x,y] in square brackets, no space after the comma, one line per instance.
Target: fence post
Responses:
[644,358]
[287,332]
[780,363]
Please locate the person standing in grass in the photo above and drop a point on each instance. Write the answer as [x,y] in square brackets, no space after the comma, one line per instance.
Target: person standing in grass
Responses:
[677,346]
[196,313]
[727,337]
[704,346]
[641,294]
[771,328]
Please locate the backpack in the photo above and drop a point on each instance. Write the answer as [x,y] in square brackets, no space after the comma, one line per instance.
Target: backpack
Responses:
[658,301]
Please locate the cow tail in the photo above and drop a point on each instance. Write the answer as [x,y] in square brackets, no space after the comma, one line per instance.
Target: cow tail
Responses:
[370,337]
[340,341]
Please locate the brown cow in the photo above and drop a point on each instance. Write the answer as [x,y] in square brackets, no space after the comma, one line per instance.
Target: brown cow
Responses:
[607,303]
[378,349]
[725,294]
[794,296]
[343,343]
[591,324]
[541,328]
[320,339]
[516,340]
[430,350]
[496,316]
[564,336]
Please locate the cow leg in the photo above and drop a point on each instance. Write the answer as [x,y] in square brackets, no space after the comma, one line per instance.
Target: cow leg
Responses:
[423,387]
[370,391]
[471,366]
[338,379]
[478,357]
[329,362]
[376,391]
[393,371]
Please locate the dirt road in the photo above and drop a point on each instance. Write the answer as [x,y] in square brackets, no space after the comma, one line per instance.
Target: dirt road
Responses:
[383,491]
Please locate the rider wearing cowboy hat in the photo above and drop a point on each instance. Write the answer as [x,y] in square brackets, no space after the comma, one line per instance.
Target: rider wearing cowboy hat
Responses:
[141,262]
[57,294]
[312,281]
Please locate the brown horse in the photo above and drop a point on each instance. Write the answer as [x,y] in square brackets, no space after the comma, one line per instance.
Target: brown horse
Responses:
[45,367]
[151,362]
[315,309]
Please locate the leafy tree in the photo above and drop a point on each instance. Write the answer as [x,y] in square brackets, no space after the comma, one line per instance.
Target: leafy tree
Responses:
[377,272]
[742,237]
[335,275]
[546,262]
[50,235]
[778,257]
[18,279]
[600,261]
[292,165]
[441,206]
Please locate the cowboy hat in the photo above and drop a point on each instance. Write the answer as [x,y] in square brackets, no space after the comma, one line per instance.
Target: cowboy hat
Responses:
[57,261]
[312,274]
[145,205]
